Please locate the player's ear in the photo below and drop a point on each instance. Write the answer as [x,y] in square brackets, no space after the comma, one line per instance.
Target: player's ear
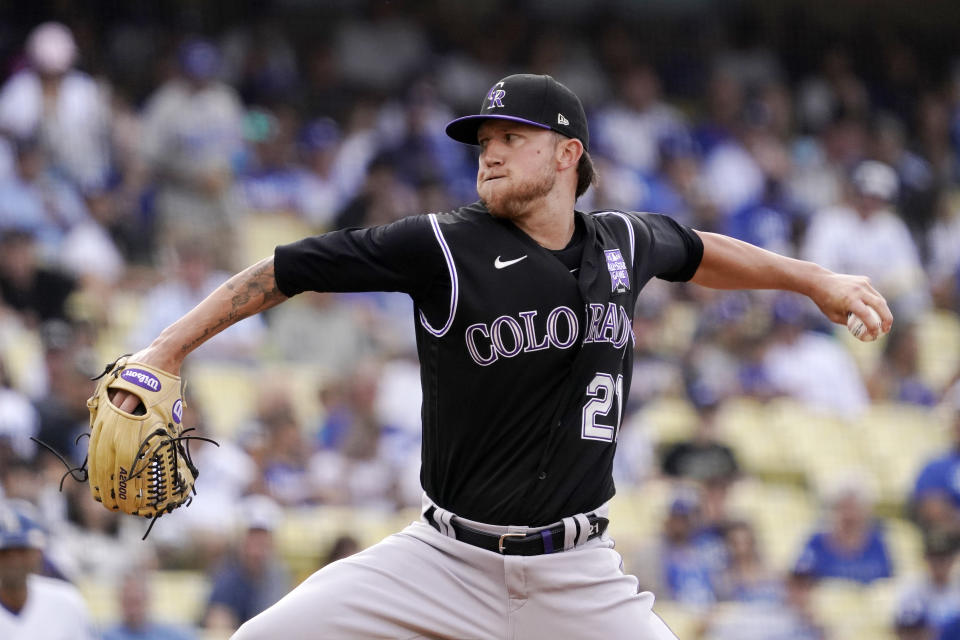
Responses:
[568,152]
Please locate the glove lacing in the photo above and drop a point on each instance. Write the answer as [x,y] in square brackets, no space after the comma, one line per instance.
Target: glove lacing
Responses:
[156,480]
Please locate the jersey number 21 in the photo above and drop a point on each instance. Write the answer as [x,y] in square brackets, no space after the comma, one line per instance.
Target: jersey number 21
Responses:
[601,393]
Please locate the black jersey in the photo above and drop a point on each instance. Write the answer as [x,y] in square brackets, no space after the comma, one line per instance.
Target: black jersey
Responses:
[525,366]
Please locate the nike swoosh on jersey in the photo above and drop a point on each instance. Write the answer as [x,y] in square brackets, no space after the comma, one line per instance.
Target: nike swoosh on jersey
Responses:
[500,264]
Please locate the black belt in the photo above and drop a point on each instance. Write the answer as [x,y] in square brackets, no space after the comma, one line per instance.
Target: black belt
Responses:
[535,543]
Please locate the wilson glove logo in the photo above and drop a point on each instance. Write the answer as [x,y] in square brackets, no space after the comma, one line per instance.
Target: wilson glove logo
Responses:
[141,378]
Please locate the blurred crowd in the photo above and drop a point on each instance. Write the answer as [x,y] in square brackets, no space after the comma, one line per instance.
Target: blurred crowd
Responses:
[138,169]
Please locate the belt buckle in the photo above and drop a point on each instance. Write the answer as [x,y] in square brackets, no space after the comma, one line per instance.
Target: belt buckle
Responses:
[508,535]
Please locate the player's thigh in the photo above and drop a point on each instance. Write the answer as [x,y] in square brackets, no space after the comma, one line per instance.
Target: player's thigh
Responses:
[586,594]
[400,588]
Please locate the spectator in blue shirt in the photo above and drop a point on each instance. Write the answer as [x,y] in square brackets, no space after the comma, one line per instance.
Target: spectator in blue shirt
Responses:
[951,631]
[677,564]
[935,593]
[935,501]
[686,570]
[676,189]
[253,579]
[853,546]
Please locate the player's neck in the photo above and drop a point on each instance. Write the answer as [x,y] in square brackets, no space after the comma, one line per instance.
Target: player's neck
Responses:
[549,223]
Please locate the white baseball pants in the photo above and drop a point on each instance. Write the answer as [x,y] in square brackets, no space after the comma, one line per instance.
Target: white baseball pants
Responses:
[420,583]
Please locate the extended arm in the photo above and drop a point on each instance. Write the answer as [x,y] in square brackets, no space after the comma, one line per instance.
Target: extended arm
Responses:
[247,293]
[731,264]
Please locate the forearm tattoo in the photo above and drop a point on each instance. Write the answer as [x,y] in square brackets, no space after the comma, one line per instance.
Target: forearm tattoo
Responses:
[254,290]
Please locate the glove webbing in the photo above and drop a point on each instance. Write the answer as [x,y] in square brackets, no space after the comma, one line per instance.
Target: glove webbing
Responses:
[156,490]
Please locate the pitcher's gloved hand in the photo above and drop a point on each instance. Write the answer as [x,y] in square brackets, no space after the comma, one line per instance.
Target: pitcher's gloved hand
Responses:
[138,461]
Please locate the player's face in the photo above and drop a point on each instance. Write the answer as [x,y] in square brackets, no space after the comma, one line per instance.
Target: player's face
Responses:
[15,565]
[518,167]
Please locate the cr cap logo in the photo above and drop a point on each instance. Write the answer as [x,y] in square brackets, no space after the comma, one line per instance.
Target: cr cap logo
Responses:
[495,96]
[178,411]
[141,378]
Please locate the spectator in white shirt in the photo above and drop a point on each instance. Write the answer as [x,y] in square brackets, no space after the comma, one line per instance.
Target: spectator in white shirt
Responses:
[64,108]
[630,129]
[866,236]
[943,261]
[37,198]
[811,367]
[18,421]
[192,134]
[34,606]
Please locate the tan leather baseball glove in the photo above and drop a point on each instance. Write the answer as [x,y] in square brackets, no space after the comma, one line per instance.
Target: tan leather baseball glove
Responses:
[138,462]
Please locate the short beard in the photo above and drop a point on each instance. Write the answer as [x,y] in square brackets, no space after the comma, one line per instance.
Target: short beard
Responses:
[515,204]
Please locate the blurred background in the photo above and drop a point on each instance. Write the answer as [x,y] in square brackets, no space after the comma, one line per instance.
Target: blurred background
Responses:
[776,478]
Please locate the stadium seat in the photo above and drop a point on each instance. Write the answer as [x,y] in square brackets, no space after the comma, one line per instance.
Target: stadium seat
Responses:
[227,393]
[782,515]
[302,380]
[745,424]
[101,599]
[905,543]
[306,534]
[125,308]
[636,512]
[938,338]
[179,597]
[856,612]
[671,418]
[842,606]
[882,596]
[820,445]
[683,621]
[22,354]
[678,327]
[896,441]
[261,233]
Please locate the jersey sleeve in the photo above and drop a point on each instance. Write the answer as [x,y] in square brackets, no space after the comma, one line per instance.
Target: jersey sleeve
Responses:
[668,250]
[401,256]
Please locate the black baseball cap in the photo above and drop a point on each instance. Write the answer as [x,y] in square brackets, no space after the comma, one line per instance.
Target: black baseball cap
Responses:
[537,100]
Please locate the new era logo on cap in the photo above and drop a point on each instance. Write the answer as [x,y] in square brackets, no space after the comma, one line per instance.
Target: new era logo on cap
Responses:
[536,100]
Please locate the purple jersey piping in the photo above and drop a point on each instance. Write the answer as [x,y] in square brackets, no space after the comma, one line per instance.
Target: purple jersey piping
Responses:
[454,283]
[626,221]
